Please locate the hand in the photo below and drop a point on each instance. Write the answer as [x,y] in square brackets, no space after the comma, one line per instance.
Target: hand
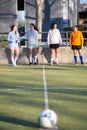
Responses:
[70,45]
[17,41]
[81,46]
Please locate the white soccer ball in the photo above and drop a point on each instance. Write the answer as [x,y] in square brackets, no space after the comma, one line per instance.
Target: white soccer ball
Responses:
[47,118]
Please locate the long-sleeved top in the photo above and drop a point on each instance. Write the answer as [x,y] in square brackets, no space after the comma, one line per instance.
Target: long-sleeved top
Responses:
[32,36]
[76,38]
[54,37]
[13,37]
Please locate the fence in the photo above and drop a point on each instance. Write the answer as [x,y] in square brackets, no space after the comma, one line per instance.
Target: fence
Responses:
[65,52]
[65,38]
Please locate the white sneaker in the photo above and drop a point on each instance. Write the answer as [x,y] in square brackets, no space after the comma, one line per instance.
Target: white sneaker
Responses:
[14,64]
[51,63]
[57,62]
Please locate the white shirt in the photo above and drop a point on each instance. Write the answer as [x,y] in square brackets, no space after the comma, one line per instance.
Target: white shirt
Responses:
[54,37]
[32,36]
[13,37]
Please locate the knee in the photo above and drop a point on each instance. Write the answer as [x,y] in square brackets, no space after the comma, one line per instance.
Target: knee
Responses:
[75,52]
[80,52]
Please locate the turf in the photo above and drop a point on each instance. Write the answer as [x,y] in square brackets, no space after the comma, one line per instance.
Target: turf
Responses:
[21,96]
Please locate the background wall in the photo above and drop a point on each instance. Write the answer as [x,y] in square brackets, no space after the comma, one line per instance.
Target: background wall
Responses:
[65,55]
[63,12]
[30,12]
[8,14]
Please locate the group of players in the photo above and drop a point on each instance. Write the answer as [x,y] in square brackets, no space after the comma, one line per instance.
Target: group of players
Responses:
[53,39]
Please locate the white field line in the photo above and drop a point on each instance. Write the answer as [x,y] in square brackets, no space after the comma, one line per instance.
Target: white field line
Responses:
[46,96]
[50,88]
[45,89]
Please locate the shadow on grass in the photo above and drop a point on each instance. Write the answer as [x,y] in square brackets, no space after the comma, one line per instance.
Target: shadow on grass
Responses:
[19,121]
[70,91]
[66,67]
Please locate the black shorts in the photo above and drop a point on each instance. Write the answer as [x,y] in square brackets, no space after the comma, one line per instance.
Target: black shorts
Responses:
[76,47]
[54,46]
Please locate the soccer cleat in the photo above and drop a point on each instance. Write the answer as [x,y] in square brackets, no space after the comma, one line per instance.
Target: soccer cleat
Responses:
[51,63]
[57,63]
[36,61]
[30,63]
[76,63]
[14,64]
[82,63]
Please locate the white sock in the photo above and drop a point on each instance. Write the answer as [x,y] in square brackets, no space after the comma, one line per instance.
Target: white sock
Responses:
[13,61]
[30,59]
[57,60]
[51,60]
[35,59]
[16,59]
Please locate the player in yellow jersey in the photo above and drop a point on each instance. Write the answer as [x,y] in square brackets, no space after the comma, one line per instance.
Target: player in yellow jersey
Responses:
[76,43]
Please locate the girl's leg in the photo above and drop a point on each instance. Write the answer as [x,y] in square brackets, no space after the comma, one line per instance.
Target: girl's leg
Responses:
[75,56]
[30,56]
[80,56]
[56,55]
[12,56]
[52,55]
[16,54]
[35,56]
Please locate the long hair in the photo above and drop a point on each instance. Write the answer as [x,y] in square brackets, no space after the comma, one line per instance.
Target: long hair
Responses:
[12,27]
[35,28]
[52,26]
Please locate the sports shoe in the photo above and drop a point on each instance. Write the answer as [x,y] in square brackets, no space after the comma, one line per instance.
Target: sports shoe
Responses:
[14,64]
[76,63]
[51,63]
[30,63]
[57,62]
[82,63]
[36,62]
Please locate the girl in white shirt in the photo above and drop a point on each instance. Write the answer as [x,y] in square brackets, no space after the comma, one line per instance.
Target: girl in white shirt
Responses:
[54,39]
[13,40]
[32,36]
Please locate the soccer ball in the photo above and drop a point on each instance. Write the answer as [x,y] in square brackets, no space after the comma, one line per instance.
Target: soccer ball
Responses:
[47,118]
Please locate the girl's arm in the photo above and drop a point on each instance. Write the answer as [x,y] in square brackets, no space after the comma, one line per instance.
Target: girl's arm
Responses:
[36,37]
[48,38]
[60,38]
[82,39]
[18,38]
[9,38]
[24,37]
[70,40]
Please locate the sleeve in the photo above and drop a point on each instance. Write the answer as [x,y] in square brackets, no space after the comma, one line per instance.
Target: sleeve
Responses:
[60,38]
[81,39]
[24,37]
[70,40]
[18,35]
[18,38]
[36,37]
[48,38]
[9,38]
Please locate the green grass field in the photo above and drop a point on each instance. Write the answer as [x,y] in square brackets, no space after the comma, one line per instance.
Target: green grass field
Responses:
[22,98]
